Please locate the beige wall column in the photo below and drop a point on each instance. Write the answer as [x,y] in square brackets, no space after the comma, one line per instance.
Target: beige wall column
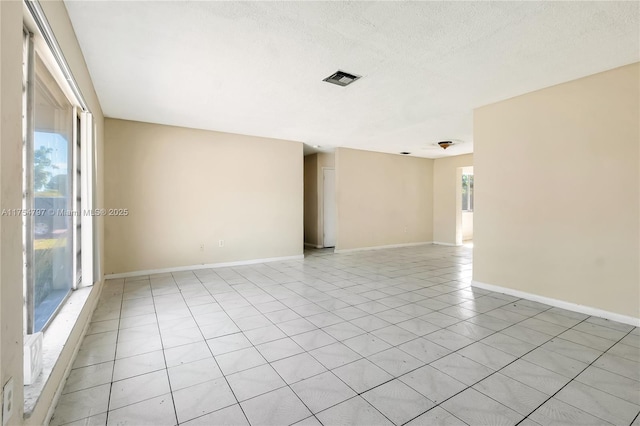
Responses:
[11,300]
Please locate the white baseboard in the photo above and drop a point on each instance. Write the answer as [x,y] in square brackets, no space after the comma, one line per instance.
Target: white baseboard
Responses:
[446,244]
[587,310]
[312,245]
[382,247]
[201,266]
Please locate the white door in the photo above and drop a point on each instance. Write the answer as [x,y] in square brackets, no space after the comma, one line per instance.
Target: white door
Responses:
[329,207]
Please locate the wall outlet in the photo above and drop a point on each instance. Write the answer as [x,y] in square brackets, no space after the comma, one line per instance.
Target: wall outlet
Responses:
[220,243]
[7,402]
[201,247]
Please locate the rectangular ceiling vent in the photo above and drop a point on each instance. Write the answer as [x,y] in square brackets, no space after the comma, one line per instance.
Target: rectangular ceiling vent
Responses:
[341,78]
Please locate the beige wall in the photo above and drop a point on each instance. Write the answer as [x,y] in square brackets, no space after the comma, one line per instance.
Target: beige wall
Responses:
[187,189]
[382,199]
[557,192]
[311,214]
[11,297]
[447,182]
[11,300]
[326,159]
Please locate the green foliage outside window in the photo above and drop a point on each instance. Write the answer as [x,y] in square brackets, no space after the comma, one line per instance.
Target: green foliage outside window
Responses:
[467,192]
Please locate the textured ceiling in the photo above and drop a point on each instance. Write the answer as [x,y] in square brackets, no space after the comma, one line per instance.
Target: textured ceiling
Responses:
[256,68]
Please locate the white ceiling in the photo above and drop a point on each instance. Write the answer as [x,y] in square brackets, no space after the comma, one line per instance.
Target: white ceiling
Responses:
[256,68]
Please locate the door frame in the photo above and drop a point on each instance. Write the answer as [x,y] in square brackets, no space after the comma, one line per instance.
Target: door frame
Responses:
[321,207]
[459,172]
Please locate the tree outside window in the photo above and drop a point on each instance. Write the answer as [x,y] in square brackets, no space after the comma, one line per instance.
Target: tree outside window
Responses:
[467,192]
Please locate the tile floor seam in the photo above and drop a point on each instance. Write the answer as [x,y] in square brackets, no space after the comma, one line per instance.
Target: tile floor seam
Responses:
[115,350]
[438,404]
[574,378]
[267,363]
[358,394]
[494,372]
[328,371]
[164,357]
[214,358]
[355,396]
[256,286]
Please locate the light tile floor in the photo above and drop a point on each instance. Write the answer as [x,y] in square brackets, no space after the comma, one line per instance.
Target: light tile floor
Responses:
[379,337]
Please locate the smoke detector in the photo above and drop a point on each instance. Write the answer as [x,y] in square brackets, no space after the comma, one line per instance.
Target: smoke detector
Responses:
[341,78]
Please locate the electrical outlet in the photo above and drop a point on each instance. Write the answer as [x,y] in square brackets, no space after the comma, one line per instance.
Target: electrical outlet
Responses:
[7,402]
[201,247]
[220,243]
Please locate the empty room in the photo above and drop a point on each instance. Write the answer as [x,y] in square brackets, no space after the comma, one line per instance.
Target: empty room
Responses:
[319,213]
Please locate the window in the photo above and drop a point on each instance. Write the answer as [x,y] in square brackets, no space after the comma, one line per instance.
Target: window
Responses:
[57,136]
[467,192]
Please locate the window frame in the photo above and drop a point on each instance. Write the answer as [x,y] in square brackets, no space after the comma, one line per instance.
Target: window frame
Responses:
[469,196]
[39,40]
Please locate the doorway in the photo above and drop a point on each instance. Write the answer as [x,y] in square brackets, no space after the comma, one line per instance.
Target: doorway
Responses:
[467,204]
[328,207]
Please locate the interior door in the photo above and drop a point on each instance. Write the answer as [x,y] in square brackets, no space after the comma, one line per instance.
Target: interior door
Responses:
[329,207]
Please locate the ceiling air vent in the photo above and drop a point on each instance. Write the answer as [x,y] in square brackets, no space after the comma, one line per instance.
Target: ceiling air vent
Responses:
[341,78]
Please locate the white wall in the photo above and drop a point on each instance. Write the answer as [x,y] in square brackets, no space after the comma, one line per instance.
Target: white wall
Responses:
[467,225]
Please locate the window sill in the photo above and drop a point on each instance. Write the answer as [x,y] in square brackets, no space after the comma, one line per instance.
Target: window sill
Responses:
[55,339]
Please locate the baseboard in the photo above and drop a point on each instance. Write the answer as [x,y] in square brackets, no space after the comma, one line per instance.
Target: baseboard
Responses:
[201,266]
[446,244]
[312,245]
[382,247]
[587,310]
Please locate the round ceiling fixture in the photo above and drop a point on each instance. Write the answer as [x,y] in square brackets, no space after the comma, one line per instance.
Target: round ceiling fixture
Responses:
[405,153]
[444,144]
